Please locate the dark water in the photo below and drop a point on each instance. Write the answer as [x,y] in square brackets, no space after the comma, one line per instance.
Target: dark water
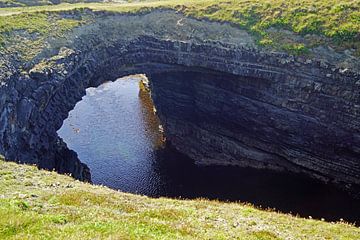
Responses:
[114,131]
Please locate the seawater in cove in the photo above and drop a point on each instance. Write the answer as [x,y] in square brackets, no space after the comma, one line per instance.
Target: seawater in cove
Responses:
[114,131]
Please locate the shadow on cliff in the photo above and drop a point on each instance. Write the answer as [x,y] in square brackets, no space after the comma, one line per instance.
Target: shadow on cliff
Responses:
[284,192]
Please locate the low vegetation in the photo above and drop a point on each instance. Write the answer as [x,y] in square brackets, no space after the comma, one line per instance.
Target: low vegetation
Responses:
[36,204]
[25,34]
[25,3]
[289,25]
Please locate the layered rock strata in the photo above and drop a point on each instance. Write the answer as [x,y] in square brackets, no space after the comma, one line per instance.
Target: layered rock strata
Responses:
[221,99]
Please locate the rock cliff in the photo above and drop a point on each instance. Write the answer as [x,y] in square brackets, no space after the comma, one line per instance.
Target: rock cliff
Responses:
[221,99]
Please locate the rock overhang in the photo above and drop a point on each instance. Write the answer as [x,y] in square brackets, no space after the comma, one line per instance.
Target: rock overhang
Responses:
[306,100]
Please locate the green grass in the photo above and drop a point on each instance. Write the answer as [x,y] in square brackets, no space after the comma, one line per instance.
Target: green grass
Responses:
[35,23]
[36,204]
[26,33]
[24,3]
[324,22]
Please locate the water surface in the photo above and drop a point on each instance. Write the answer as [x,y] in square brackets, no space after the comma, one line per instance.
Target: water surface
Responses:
[114,131]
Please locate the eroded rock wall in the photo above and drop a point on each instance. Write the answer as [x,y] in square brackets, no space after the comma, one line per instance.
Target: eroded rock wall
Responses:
[218,118]
[221,99]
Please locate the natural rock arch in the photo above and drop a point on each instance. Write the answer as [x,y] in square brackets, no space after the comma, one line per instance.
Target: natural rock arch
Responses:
[221,99]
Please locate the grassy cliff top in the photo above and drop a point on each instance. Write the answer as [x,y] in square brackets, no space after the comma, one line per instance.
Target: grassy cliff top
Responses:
[290,25]
[36,204]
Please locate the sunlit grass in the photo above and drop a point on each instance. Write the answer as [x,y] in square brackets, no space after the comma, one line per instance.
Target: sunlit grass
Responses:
[338,22]
[57,207]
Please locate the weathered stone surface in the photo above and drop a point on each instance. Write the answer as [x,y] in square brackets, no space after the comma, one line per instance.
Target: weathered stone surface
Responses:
[220,98]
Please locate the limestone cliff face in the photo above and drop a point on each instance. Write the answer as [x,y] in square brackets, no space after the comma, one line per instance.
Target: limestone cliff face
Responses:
[220,98]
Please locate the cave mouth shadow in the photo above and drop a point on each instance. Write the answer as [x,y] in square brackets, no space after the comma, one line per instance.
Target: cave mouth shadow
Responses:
[178,177]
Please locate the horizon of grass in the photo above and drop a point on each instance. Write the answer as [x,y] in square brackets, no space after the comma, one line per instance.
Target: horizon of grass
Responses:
[24,3]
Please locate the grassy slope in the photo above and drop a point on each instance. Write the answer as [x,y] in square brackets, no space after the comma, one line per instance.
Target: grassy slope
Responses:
[38,204]
[326,22]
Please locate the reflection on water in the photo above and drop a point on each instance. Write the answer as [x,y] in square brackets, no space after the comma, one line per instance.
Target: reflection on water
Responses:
[114,131]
